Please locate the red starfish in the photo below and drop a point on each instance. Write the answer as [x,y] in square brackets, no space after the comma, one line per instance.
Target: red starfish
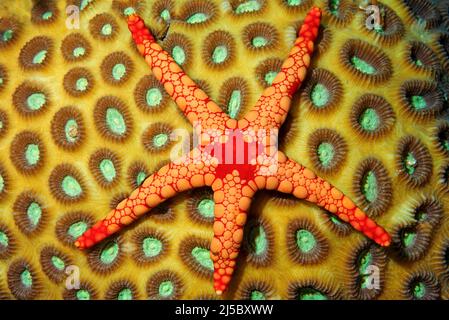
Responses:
[241,159]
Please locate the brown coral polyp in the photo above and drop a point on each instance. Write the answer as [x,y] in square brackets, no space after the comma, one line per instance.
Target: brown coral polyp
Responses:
[179,47]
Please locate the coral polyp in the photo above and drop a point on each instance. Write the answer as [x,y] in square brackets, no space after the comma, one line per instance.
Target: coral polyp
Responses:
[91,112]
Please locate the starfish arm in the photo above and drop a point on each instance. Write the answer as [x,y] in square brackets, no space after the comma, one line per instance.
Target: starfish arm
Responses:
[183,174]
[193,102]
[232,201]
[272,107]
[305,184]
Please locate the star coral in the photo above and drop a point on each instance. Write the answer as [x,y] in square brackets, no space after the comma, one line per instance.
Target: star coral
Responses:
[236,162]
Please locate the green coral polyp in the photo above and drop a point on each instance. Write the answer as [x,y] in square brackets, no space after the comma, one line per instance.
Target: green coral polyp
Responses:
[310,294]
[35,101]
[118,71]
[160,140]
[166,288]
[294,3]
[34,213]
[115,121]
[7,35]
[165,15]
[71,187]
[109,253]
[220,54]
[305,240]
[153,97]
[408,238]
[326,152]
[363,66]
[32,154]
[107,168]
[410,163]
[26,279]
[71,130]
[199,17]
[206,208]
[77,229]
[40,57]
[319,95]
[419,290]
[258,240]
[369,188]
[234,103]
[81,84]
[248,6]
[47,15]
[140,177]
[259,42]
[79,52]
[83,294]
[365,260]
[179,55]
[269,77]
[418,102]
[129,11]
[106,30]
[125,294]
[257,295]
[369,120]
[4,240]
[151,247]
[58,263]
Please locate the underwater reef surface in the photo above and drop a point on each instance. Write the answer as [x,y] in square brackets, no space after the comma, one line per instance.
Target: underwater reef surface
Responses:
[83,122]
